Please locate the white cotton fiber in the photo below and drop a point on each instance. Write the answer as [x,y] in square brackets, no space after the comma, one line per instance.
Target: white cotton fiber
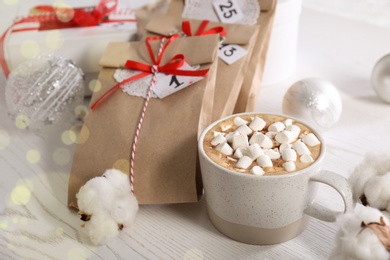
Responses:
[377,191]
[119,180]
[101,228]
[110,204]
[125,209]
[356,242]
[374,164]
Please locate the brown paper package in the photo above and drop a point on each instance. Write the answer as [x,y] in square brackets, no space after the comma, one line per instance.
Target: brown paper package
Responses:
[229,77]
[166,156]
[254,67]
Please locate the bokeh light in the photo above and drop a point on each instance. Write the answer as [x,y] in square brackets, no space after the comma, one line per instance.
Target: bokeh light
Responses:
[20,195]
[33,156]
[10,2]
[54,39]
[29,49]
[122,165]
[22,121]
[95,85]
[61,156]
[77,253]
[68,137]
[81,111]
[83,136]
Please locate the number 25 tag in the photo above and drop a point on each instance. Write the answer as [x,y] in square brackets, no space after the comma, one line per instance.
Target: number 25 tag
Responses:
[230,53]
[228,11]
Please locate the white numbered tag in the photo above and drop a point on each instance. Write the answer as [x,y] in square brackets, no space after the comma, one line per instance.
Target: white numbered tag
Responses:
[228,11]
[169,84]
[231,53]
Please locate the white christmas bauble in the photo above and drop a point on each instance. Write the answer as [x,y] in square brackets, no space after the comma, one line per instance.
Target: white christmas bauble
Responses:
[315,101]
[380,78]
[44,90]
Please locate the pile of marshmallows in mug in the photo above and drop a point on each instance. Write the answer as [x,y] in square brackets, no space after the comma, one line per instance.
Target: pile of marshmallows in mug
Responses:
[259,147]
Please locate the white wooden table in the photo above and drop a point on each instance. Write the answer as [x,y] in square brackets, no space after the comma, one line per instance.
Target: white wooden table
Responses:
[35,222]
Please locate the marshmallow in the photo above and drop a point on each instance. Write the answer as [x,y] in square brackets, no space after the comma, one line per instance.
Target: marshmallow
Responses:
[263,140]
[238,121]
[276,127]
[301,148]
[257,124]
[285,136]
[244,162]
[311,140]
[306,158]
[218,140]
[284,146]
[289,166]
[216,133]
[255,138]
[225,126]
[271,134]
[232,159]
[264,161]
[295,129]
[257,170]
[240,140]
[229,136]
[254,151]
[287,122]
[244,130]
[289,155]
[240,152]
[225,148]
[273,153]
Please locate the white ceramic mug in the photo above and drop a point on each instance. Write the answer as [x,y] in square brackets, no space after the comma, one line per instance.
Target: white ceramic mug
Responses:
[266,210]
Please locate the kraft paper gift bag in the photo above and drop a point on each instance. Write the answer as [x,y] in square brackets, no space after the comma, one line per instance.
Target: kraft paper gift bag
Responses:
[238,44]
[254,69]
[166,165]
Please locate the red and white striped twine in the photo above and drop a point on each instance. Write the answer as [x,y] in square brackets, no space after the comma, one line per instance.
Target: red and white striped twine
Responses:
[149,94]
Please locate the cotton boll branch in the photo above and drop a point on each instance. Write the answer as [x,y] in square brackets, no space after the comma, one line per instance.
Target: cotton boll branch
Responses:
[106,206]
[381,230]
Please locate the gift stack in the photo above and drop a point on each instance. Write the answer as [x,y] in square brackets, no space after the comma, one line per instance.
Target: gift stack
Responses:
[166,71]
[158,93]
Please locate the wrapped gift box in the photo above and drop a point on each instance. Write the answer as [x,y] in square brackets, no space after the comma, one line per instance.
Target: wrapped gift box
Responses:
[83,45]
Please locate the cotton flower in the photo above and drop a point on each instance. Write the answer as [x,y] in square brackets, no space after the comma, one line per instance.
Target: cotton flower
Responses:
[370,181]
[364,234]
[106,205]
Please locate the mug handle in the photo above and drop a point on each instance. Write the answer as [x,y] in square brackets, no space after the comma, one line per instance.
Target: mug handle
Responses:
[341,185]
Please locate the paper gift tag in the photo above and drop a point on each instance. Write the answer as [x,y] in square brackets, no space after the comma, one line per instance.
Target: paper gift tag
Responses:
[231,53]
[228,11]
[205,10]
[169,84]
[165,84]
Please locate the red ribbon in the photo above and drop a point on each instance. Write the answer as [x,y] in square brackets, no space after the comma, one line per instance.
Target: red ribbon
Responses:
[186,28]
[60,18]
[171,67]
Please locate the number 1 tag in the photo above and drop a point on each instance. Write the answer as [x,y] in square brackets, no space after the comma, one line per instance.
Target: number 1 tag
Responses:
[169,84]
[228,11]
[231,53]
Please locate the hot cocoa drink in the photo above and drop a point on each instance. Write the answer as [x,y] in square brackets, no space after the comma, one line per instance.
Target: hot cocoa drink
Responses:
[262,144]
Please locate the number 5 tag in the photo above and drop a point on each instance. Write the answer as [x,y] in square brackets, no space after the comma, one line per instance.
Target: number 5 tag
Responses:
[228,11]
[230,53]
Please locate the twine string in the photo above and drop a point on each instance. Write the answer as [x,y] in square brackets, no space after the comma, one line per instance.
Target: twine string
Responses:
[148,96]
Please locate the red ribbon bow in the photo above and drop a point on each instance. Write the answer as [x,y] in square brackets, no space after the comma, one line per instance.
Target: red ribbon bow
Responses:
[186,28]
[171,67]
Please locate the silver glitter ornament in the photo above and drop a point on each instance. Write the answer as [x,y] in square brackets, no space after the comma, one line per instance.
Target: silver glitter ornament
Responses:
[380,78]
[315,101]
[44,90]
